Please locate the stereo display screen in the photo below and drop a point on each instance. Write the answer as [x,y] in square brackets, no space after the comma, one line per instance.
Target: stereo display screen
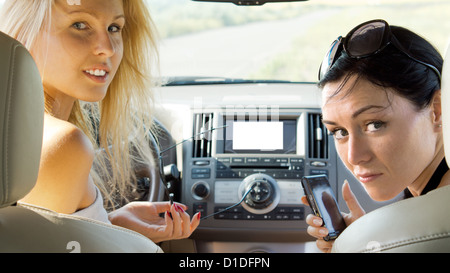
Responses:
[260,137]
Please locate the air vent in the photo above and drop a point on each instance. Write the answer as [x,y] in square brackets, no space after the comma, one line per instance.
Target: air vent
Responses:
[202,141]
[317,137]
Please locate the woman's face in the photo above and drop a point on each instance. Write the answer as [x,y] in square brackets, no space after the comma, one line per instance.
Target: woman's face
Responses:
[80,54]
[381,137]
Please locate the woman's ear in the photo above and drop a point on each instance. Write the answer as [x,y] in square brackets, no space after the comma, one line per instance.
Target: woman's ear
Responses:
[436,108]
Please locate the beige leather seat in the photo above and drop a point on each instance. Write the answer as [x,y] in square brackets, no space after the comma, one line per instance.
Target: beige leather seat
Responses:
[33,229]
[420,224]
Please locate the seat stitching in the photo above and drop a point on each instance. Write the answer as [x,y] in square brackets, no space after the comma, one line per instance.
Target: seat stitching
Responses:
[412,241]
[7,118]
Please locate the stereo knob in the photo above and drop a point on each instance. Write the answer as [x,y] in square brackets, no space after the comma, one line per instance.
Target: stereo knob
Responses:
[261,192]
[200,190]
[264,193]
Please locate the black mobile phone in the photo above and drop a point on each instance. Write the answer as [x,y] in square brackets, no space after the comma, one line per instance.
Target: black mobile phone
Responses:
[322,201]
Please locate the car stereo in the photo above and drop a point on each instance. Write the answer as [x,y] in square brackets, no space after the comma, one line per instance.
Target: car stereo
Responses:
[265,155]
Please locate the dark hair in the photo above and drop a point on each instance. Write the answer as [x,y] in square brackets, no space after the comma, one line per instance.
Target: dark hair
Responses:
[391,68]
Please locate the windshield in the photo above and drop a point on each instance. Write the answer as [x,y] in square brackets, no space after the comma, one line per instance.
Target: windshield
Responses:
[276,41]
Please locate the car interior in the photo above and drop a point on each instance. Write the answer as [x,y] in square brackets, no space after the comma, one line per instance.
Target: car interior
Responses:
[234,141]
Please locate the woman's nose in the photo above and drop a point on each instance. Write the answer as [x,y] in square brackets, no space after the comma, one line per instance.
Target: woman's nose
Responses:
[358,150]
[104,45]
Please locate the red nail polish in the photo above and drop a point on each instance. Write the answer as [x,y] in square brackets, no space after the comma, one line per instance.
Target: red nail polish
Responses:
[169,214]
[178,208]
[199,215]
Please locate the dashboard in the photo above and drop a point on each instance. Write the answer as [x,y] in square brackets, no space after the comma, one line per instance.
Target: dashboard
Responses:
[248,147]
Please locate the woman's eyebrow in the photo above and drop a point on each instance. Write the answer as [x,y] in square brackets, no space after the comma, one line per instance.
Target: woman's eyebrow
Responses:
[357,112]
[329,122]
[93,14]
[366,108]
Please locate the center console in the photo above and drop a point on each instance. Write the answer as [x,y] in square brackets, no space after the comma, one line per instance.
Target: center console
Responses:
[254,159]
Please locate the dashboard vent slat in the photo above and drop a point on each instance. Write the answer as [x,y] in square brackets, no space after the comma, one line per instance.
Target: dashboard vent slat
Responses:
[317,137]
[202,143]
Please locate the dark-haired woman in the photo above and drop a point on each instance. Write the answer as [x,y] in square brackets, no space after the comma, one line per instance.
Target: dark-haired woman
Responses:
[382,104]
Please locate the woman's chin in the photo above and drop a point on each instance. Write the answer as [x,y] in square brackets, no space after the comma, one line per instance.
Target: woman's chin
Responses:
[381,196]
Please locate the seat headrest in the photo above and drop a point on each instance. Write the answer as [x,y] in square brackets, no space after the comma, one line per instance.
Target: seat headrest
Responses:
[445,89]
[21,120]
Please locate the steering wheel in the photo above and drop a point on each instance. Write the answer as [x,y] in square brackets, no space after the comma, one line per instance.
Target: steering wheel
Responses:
[155,188]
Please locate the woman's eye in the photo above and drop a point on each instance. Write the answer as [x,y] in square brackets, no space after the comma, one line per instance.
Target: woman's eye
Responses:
[339,134]
[80,26]
[114,28]
[375,126]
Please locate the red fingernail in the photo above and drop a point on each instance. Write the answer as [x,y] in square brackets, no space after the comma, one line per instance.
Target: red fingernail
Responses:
[179,209]
[169,214]
[199,215]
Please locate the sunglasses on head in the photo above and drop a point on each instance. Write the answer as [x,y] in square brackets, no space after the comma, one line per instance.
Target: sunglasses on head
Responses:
[365,40]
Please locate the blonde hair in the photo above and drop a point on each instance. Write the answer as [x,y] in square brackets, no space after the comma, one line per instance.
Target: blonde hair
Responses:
[120,124]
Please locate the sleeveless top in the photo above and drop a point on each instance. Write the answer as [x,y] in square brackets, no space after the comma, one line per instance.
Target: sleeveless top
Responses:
[95,211]
[434,181]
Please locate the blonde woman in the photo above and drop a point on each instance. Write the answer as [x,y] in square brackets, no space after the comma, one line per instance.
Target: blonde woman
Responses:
[99,52]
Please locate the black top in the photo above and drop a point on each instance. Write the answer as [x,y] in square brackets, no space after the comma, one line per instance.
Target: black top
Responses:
[434,181]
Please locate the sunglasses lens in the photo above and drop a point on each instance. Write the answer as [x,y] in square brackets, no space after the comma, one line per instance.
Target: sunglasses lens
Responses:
[366,39]
[328,60]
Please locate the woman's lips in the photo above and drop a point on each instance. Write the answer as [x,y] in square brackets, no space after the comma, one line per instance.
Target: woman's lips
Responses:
[367,178]
[98,75]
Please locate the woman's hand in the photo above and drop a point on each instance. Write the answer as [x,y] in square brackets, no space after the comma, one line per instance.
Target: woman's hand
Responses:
[144,217]
[315,223]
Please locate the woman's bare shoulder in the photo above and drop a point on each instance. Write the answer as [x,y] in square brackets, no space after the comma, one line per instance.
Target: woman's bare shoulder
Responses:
[67,155]
[63,139]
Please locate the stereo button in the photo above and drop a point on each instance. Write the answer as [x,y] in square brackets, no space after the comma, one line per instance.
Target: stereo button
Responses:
[201,162]
[238,160]
[201,173]
[252,160]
